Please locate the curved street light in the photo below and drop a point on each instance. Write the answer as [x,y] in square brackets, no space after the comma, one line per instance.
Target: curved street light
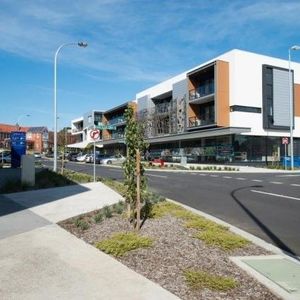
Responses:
[79,44]
[295,48]
[18,120]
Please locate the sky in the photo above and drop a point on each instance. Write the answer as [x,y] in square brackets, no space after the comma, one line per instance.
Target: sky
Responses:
[132,45]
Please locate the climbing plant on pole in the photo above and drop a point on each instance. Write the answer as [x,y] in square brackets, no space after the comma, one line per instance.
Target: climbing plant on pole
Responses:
[135,144]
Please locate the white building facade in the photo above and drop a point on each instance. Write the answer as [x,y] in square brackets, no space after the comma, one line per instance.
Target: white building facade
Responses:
[233,108]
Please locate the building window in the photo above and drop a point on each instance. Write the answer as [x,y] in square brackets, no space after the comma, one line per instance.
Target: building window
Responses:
[249,109]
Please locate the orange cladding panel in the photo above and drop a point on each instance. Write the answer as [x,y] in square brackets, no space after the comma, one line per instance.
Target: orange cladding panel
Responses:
[222,93]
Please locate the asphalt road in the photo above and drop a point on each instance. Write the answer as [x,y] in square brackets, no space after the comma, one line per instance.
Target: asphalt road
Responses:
[266,205]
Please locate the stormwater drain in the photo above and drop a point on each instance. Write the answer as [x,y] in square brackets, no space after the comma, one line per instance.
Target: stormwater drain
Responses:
[280,273]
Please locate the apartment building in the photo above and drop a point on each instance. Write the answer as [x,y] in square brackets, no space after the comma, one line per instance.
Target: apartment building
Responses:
[233,108]
[113,123]
[82,126]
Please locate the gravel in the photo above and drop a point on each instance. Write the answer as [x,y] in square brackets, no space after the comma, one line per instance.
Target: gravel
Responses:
[174,251]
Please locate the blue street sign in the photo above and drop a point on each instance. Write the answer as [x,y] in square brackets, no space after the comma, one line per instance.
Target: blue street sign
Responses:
[18,147]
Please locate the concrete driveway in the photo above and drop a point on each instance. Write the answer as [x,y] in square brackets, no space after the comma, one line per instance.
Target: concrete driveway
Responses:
[40,260]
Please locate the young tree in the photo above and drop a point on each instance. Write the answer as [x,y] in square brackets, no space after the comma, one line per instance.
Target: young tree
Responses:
[135,180]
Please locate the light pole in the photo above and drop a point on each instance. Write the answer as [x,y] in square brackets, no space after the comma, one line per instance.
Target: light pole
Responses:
[80,44]
[295,48]
[19,118]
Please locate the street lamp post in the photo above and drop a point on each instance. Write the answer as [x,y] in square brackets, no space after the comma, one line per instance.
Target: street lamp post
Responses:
[295,48]
[80,44]
[19,118]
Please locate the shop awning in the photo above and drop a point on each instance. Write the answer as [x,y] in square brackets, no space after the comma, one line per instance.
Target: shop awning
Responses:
[85,144]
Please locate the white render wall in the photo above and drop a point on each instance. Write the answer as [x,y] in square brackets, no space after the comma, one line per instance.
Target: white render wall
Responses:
[245,88]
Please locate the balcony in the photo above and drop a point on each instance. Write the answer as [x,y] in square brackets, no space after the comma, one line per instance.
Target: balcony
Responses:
[76,130]
[204,91]
[116,120]
[162,108]
[195,122]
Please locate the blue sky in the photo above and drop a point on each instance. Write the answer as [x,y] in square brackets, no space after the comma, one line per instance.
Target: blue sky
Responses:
[133,44]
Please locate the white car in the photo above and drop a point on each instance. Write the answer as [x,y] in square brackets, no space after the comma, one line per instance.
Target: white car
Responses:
[37,155]
[81,158]
[114,159]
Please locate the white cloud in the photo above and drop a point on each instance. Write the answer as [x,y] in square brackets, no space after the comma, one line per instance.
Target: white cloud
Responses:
[143,40]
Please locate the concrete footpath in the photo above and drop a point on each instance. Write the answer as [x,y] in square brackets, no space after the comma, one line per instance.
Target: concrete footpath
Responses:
[40,260]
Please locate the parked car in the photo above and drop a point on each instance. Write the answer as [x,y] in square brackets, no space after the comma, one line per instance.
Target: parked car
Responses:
[99,157]
[37,155]
[72,156]
[81,158]
[5,158]
[114,159]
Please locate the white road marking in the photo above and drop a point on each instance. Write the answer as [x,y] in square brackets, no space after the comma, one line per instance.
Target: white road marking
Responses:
[256,180]
[160,176]
[203,174]
[214,175]
[240,178]
[295,184]
[275,195]
[228,177]
[276,182]
[290,175]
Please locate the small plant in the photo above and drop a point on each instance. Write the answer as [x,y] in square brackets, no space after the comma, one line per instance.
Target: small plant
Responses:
[225,168]
[98,217]
[223,239]
[215,168]
[119,207]
[192,168]
[196,279]
[107,212]
[80,223]
[121,243]
[199,168]
[198,222]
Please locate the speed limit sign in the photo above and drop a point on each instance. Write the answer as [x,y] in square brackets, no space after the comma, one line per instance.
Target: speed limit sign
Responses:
[95,134]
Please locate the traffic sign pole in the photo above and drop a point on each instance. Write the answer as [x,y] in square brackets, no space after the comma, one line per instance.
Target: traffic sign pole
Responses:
[95,134]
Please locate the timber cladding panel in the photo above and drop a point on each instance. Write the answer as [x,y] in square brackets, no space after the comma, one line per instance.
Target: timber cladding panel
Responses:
[222,93]
[297,99]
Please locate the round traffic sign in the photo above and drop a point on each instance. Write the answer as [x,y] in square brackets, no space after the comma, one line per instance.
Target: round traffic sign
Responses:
[95,134]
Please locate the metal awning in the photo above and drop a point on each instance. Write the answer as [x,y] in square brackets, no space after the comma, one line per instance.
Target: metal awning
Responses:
[198,134]
[84,144]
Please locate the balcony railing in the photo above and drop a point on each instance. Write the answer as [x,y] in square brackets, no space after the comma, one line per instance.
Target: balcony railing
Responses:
[116,120]
[202,91]
[162,108]
[195,122]
[74,130]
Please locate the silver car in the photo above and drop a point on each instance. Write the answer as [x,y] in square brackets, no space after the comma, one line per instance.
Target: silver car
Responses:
[114,159]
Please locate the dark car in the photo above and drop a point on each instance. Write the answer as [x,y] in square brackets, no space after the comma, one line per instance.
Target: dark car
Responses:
[72,156]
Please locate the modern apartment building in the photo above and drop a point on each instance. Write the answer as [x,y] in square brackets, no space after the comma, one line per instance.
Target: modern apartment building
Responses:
[82,126]
[233,108]
[113,122]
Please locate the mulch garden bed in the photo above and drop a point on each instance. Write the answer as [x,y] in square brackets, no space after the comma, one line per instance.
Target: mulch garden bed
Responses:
[174,250]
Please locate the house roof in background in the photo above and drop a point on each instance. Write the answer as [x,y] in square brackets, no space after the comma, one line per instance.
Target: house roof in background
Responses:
[9,128]
[40,129]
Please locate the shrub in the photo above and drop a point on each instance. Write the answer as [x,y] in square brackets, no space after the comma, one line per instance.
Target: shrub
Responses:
[82,224]
[197,279]
[192,168]
[223,239]
[215,168]
[198,168]
[198,222]
[98,217]
[107,212]
[120,243]
[119,207]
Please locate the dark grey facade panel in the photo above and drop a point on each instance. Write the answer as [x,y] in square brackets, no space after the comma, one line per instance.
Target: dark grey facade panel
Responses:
[275,94]
[248,109]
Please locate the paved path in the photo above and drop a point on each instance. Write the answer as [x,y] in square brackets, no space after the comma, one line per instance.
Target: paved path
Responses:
[40,260]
